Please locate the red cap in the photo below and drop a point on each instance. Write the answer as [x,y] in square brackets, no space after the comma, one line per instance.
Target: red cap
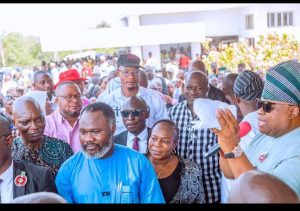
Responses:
[69,75]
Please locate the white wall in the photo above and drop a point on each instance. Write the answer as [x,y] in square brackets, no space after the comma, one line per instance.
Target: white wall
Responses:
[217,23]
[260,20]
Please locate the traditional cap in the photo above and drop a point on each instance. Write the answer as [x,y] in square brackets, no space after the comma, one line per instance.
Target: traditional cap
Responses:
[69,75]
[128,60]
[248,85]
[283,83]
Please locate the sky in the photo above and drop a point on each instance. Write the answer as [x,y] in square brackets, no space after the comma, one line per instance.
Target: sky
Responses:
[36,19]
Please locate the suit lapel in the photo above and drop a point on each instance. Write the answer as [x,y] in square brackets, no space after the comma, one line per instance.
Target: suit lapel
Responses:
[18,190]
[124,138]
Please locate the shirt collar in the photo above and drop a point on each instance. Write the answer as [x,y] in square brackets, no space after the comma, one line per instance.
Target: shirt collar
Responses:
[142,135]
[60,117]
[8,174]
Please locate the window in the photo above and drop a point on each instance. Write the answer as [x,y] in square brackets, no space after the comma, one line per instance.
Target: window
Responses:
[285,19]
[272,19]
[290,18]
[249,22]
[280,19]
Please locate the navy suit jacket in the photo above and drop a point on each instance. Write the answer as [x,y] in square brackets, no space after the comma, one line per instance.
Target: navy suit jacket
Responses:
[122,137]
[39,179]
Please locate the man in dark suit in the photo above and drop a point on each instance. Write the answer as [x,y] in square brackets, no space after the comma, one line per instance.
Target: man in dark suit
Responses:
[213,92]
[134,114]
[18,178]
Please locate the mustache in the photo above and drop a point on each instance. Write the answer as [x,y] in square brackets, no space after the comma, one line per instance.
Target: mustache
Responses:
[84,146]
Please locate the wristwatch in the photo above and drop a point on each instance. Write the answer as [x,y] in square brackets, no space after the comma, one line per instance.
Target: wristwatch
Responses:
[235,153]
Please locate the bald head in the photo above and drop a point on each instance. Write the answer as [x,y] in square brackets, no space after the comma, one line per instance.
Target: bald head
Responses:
[259,187]
[61,87]
[135,102]
[201,77]
[22,104]
[143,80]
[40,198]
[4,125]
[197,66]
[228,81]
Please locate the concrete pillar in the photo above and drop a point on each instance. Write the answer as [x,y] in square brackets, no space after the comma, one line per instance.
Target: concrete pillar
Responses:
[134,21]
[137,50]
[195,48]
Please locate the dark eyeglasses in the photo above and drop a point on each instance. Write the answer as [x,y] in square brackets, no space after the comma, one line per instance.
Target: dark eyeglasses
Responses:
[135,113]
[267,106]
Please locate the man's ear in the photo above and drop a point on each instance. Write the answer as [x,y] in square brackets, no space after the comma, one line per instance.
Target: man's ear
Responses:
[9,140]
[238,99]
[294,112]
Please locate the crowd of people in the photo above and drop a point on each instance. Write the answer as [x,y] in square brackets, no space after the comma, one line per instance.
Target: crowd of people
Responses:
[122,132]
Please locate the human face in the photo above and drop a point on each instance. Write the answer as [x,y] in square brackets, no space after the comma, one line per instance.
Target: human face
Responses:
[135,124]
[44,83]
[30,123]
[159,87]
[104,83]
[161,142]
[8,106]
[95,134]
[195,88]
[5,142]
[48,107]
[274,118]
[129,77]
[69,107]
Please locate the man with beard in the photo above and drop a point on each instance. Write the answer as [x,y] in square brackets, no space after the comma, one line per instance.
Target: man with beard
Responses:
[104,172]
[63,122]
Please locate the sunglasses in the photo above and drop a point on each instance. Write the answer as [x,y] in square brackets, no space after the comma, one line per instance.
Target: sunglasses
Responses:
[135,113]
[267,106]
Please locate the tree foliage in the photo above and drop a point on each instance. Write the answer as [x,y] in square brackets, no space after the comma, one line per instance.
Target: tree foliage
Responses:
[267,52]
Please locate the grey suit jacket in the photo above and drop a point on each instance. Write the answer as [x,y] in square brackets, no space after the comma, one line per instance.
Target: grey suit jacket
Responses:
[39,179]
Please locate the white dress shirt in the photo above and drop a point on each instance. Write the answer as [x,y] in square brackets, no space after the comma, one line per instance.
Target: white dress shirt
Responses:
[142,142]
[6,186]
[115,99]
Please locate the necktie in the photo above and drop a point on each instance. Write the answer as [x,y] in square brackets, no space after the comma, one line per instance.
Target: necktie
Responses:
[135,144]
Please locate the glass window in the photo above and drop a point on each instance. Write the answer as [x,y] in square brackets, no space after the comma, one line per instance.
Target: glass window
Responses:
[290,18]
[272,19]
[279,19]
[285,18]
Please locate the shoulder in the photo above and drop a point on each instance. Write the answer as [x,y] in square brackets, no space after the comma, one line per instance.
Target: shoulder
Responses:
[130,154]
[177,107]
[121,135]
[72,162]
[31,168]
[56,147]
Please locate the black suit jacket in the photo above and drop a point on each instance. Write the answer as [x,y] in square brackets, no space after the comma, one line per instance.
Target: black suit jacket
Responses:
[122,137]
[213,94]
[39,179]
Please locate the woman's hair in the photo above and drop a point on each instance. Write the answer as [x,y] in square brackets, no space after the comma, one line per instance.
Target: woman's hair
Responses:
[171,124]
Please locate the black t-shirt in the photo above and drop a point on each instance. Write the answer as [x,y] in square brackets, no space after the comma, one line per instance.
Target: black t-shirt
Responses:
[170,184]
